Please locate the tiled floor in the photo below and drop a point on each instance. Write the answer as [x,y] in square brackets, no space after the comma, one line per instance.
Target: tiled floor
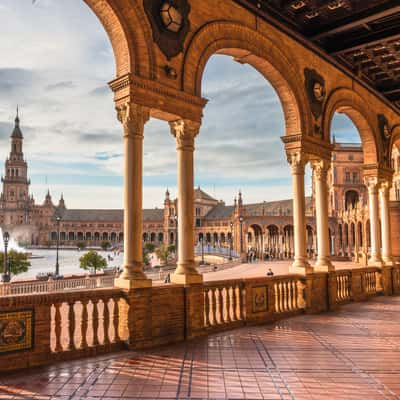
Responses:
[350,354]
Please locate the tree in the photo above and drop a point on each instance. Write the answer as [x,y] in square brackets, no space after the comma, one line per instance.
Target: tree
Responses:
[92,260]
[18,262]
[81,245]
[105,245]
[149,247]
[164,253]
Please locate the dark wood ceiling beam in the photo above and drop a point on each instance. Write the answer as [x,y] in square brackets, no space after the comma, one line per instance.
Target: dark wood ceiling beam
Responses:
[390,10]
[368,40]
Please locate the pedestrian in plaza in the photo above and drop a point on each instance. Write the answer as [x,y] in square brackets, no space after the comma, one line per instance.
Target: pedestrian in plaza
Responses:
[270,272]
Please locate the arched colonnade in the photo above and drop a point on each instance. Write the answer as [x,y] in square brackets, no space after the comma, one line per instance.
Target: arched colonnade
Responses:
[153,82]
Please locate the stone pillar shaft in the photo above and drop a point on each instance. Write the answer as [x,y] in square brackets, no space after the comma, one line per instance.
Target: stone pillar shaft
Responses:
[185,132]
[300,264]
[376,258]
[385,222]
[133,117]
[320,169]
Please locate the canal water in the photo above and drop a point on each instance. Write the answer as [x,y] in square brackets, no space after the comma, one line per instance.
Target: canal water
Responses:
[68,261]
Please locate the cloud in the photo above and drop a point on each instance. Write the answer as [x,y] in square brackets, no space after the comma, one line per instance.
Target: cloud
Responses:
[72,134]
[61,85]
[14,79]
[100,91]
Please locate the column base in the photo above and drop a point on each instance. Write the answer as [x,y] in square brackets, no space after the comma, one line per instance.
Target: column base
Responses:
[324,266]
[301,267]
[388,261]
[133,277]
[186,279]
[375,262]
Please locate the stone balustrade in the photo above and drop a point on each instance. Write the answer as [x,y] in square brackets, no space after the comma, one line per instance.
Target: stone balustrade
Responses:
[59,285]
[69,324]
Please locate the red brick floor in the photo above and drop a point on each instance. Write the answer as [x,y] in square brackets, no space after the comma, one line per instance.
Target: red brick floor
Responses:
[350,354]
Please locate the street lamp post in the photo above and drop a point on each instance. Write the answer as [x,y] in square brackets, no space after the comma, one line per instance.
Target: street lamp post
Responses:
[6,273]
[231,243]
[58,219]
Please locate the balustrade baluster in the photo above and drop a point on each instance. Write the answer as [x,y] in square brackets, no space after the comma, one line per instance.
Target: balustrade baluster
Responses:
[106,322]
[207,307]
[285,296]
[214,305]
[58,327]
[71,326]
[228,304]
[235,313]
[277,310]
[116,320]
[84,324]
[281,297]
[239,293]
[95,322]
[291,298]
[220,306]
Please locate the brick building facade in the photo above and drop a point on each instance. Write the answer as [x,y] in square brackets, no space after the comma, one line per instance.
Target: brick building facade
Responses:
[266,227]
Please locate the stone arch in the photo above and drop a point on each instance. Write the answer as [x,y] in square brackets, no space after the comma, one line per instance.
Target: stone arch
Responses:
[129,36]
[249,46]
[346,101]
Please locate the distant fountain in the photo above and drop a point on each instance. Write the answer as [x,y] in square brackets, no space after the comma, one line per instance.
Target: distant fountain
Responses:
[12,244]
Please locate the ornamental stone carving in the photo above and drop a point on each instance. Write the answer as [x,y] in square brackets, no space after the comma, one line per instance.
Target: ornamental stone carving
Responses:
[320,169]
[185,132]
[316,93]
[297,162]
[133,117]
[170,24]
[385,134]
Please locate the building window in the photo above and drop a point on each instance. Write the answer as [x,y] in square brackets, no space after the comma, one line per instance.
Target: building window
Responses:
[347,177]
[355,177]
[351,157]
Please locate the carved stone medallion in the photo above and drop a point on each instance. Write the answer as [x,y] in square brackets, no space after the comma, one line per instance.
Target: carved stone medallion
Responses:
[170,24]
[316,91]
[260,301]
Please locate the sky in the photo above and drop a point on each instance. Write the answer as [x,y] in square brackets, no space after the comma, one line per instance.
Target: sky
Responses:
[56,62]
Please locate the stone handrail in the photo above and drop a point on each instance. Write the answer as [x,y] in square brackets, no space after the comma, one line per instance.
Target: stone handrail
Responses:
[59,285]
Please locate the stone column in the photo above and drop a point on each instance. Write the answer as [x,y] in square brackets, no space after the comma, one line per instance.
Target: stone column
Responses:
[385,222]
[320,172]
[133,118]
[300,264]
[185,132]
[376,259]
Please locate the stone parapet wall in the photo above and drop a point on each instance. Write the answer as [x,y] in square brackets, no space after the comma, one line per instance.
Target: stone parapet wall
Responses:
[85,323]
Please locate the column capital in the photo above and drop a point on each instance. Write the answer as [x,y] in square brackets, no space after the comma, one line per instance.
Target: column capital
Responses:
[185,131]
[384,186]
[372,184]
[133,117]
[320,168]
[297,161]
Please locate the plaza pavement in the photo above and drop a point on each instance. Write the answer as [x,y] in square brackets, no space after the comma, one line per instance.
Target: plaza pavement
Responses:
[260,268]
[350,354]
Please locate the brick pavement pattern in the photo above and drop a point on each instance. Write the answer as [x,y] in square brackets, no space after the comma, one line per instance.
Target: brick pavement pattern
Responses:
[353,353]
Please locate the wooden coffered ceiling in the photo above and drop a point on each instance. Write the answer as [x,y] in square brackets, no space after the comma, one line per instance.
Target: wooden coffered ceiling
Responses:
[362,35]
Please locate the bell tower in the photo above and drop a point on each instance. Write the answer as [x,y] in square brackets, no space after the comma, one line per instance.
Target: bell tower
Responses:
[15,196]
